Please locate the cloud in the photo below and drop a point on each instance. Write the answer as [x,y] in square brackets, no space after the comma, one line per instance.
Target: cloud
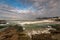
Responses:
[9,12]
[45,7]
[5,12]
[35,8]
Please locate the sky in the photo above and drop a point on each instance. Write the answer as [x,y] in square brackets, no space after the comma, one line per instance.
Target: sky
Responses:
[28,9]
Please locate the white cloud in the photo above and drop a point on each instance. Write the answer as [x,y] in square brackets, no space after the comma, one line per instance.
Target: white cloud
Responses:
[8,12]
[37,9]
[46,7]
